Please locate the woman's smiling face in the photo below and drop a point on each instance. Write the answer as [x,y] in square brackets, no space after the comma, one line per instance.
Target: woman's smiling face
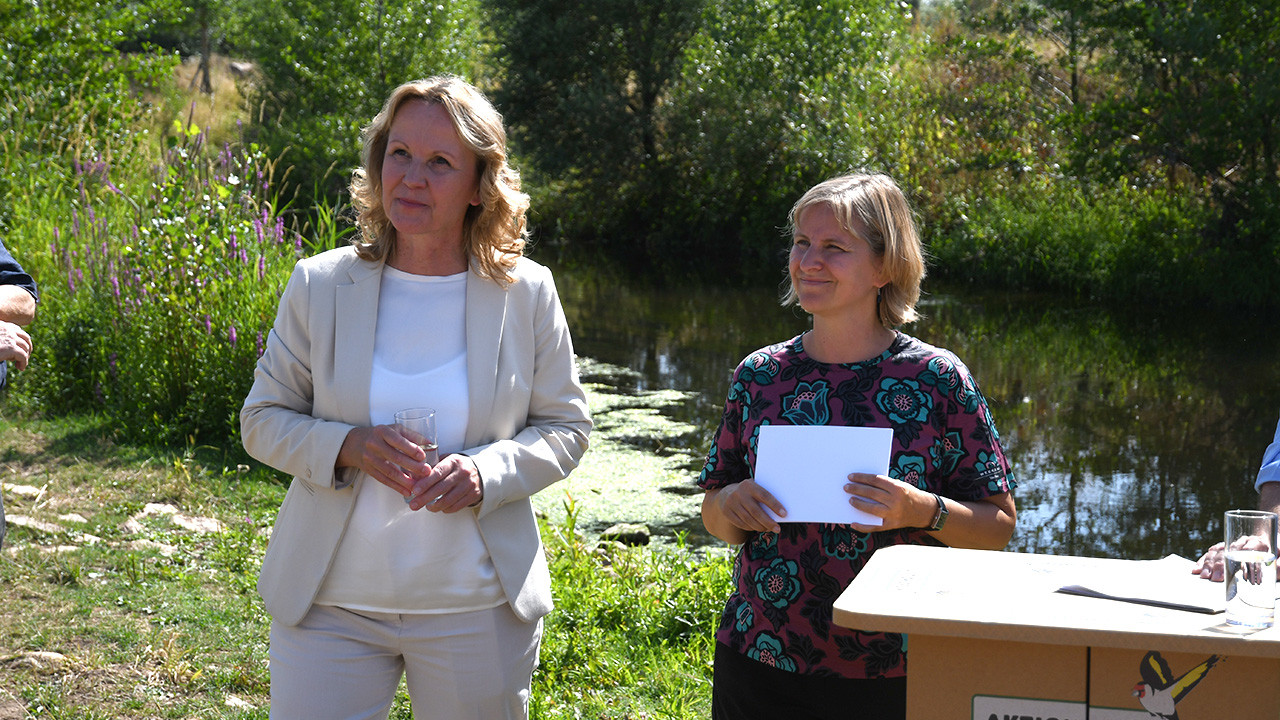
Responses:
[832,270]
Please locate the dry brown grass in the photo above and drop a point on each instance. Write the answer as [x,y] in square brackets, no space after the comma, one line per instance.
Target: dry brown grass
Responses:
[218,112]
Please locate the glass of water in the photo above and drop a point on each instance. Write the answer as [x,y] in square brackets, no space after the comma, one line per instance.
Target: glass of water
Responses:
[418,426]
[1250,537]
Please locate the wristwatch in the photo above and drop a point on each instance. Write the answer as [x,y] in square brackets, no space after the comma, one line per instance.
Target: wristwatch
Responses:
[940,517]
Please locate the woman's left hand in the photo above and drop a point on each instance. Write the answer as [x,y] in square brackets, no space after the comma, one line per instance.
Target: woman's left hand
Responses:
[453,484]
[898,504]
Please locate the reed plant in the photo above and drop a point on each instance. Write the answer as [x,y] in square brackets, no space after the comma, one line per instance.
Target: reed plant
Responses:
[161,263]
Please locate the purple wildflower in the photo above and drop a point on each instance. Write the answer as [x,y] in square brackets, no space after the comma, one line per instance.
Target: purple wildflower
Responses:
[231,335]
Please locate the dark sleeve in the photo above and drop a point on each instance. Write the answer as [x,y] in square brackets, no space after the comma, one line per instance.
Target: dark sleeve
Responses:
[981,467]
[11,273]
[727,459]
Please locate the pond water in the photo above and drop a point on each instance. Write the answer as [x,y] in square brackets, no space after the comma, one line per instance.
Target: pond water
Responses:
[1130,430]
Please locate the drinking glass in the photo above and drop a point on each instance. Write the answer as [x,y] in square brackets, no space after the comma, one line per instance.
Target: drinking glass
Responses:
[418,426]
[1250,537]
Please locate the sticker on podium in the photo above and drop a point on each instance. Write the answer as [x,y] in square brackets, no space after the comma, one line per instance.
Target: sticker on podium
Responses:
[986,707]
[990,707]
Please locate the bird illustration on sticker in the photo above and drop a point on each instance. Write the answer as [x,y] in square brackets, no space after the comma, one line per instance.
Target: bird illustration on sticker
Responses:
[1160,692]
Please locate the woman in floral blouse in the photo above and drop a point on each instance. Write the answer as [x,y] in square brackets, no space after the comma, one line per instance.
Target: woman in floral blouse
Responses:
[856,264]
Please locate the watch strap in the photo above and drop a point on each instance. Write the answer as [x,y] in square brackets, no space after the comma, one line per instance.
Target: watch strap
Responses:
[940,515]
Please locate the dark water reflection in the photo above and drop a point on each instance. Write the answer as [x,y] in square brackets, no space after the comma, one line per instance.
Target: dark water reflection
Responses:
[1131,431]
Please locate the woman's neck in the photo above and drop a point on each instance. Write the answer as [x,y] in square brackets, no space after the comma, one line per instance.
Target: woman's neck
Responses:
[847,341]
[421,257]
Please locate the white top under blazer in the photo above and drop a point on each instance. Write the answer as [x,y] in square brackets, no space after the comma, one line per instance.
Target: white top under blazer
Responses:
[393,559]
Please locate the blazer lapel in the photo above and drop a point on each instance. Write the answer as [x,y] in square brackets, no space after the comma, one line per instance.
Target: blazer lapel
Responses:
[486,318]
[356,313]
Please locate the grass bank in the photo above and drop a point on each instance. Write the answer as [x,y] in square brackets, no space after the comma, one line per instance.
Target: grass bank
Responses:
[127,582]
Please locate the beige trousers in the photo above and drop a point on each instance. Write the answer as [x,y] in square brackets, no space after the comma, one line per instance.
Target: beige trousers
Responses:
[339,664]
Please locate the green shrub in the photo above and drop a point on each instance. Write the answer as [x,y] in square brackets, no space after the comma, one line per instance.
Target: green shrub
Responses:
[158,290]
[1110,243]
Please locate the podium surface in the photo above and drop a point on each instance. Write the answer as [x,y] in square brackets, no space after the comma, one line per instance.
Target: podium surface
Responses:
[990,636]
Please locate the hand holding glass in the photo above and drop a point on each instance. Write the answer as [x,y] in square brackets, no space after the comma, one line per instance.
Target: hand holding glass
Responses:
[1250,544]
[418,426]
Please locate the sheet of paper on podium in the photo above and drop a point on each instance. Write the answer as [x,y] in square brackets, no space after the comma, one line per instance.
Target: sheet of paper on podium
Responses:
[1163,583]
[806,468]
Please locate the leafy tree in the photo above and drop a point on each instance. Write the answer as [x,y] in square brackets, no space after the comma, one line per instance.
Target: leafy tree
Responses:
[326,66]
[584,84]
[75,45]
[1204,92]
[673,135]
[1201,108]
[1069,27]
[776,97]
[999,99]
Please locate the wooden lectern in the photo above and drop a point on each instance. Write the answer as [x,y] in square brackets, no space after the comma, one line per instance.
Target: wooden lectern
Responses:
[990,638]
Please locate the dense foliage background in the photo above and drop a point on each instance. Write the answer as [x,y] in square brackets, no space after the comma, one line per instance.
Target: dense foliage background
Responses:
[1119,149]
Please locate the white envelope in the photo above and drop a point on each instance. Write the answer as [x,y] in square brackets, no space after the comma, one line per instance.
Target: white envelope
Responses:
[806,468]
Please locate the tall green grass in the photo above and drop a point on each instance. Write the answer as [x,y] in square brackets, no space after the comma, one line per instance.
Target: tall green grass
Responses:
[1115,242]
[632,633]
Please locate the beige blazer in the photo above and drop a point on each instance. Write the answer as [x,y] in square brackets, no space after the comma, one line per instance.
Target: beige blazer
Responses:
[527,427]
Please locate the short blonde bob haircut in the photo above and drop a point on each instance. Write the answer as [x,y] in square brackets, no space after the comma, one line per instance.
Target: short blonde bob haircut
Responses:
[494,232]
[872,207]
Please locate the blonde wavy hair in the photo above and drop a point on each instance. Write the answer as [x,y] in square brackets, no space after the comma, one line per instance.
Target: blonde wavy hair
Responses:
[494,232]
[890,229]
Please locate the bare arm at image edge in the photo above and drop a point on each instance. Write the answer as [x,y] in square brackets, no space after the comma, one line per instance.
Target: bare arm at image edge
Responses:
[17,305]
[1210,565]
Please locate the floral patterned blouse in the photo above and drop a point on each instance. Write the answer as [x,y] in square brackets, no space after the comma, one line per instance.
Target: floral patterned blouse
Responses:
[785,583]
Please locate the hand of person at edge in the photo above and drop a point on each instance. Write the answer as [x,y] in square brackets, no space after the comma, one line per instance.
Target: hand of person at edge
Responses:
[1211,565]
[15,345]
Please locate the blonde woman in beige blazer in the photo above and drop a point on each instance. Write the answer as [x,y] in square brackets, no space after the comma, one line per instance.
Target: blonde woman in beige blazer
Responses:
[439,206]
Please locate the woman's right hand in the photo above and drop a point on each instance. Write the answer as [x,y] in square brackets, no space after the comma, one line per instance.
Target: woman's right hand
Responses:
[385,455]
[732,512]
